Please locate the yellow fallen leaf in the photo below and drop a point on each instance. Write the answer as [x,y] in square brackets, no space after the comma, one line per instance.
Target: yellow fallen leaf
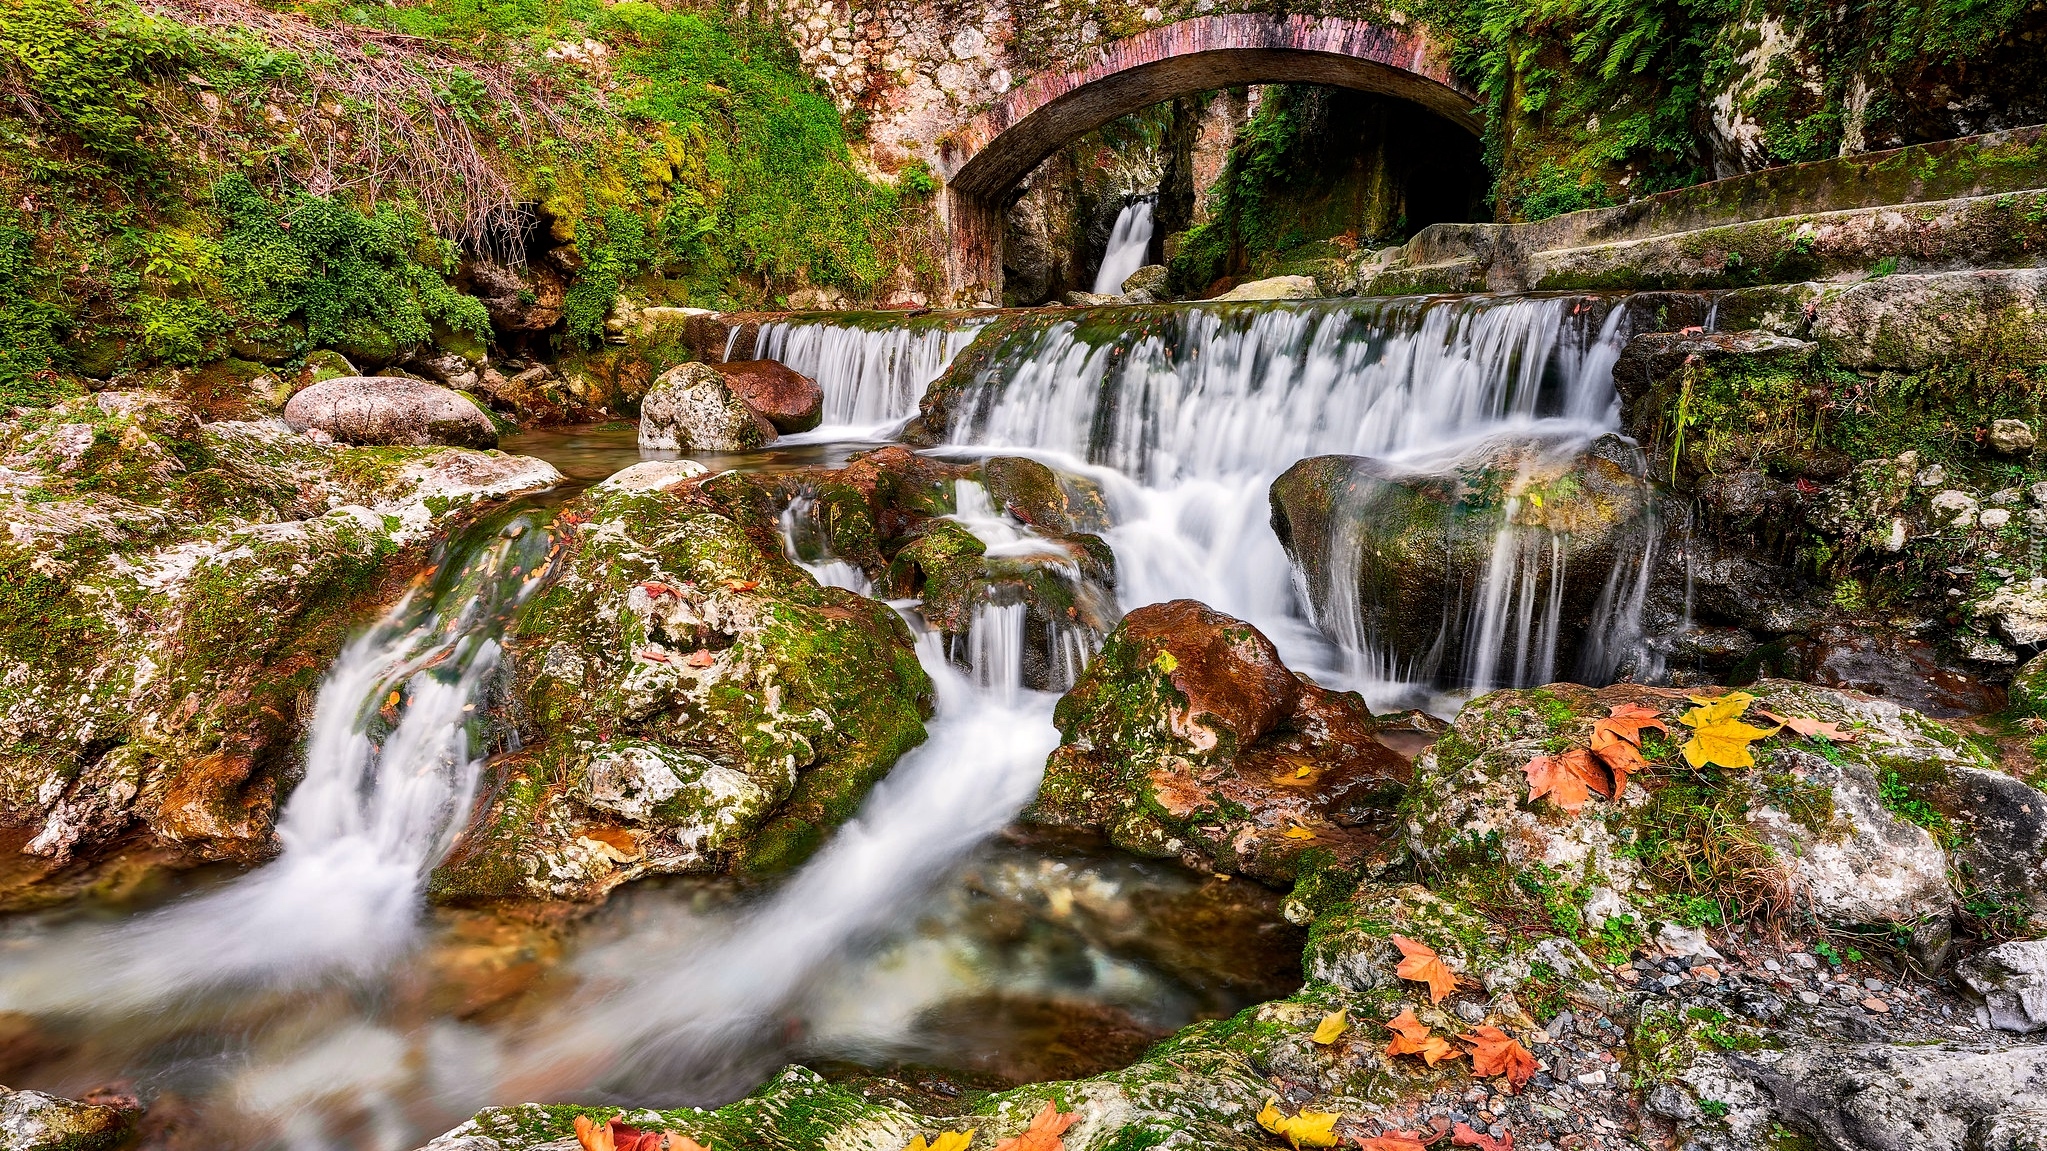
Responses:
[1296,831]
[1333,1025]
[1304,772]
[1718,734]
[1308,1129]
[944,1141]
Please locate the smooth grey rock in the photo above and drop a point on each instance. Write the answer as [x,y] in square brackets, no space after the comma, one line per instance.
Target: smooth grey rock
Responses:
[2012,979]
[1869,866]
[1915,321]
[390,410]
[692,407]
[655,475]
[1275,288]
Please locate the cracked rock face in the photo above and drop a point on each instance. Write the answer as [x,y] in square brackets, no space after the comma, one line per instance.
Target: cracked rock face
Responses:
[1931,1097]
[2012,979]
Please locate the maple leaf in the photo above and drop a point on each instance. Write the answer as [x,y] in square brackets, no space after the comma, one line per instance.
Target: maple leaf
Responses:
[1308,1129]
[612,1135]
[1494,1052]
[1568,779]
[1332,1027]
[1412,1037]
[1391,1141]
[1718,735]
[1043,1133]
[685,1143]
[1627,720]
[700,658]
[944,1141]
[1620,757]
[1807,726]
[657,588]
[742,584]
[1419,962]
[1466,1137]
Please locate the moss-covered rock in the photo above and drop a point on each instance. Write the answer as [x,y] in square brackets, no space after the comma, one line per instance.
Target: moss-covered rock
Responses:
[34,1121]
[1186,736]
[693,702]
[175,588]
[1844,830]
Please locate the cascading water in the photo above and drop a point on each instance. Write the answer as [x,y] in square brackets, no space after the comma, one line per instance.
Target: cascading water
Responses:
[1187,419]
[872,376]
[1128,243]
[389,764]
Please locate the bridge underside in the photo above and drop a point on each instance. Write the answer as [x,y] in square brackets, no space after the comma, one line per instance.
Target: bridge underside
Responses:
[988,157]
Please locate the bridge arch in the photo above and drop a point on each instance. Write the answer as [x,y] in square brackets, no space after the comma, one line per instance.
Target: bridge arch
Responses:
[990,154]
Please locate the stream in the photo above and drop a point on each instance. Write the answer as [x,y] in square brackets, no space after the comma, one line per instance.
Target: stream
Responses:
[317,1002]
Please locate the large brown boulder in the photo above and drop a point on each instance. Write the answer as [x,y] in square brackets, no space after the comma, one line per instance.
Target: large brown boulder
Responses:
[789,399]
[1186,736]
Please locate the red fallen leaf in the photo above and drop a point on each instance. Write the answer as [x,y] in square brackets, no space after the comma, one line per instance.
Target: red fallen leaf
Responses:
[1412,1037]
[652,656]
[1627,720]
[657,588]
[1044,1132]
[701,658]
[1494,1052]
[1419,962]
[1568,779]
[1466,1137]
[1807,726]
[1620,757]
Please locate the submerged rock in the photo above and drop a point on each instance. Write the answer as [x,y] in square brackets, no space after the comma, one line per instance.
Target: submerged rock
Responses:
[392,411]
[789,399]
[33,1121]
[1186,736]
[1417,566]
[694,408]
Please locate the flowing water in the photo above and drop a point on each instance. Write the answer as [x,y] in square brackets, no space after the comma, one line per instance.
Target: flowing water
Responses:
[316,1003]
[1128,243]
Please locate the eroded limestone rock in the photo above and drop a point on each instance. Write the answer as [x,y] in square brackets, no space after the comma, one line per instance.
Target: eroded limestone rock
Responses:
[693,408]
[391,411]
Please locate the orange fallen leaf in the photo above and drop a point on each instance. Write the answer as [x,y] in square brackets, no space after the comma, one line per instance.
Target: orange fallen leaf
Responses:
[612,1135]
[1568,779]
[652,656]
[1466,1137]
[1419,962]
[655,587]
[702,658]
[742,584]
[1296,831]
[1412,1037]
[1627,720]
[1391,1141]
[1494,1052]
[1807,726]
[1620,757]
[685,1143]
[1044,1132]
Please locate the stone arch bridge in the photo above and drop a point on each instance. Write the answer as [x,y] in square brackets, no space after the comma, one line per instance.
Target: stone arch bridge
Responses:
[985,90]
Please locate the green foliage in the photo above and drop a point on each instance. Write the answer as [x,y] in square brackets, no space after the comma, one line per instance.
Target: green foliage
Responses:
[345,272]
[84,64]
[31,324]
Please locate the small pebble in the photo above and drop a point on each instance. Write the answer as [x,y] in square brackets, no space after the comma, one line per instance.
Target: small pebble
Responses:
[1809,998]
[1772,965]
[1708,974]
[1873,984]
[1875,1005]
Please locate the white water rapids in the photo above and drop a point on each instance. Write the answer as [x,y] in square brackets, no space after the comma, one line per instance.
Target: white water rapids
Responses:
[310,964]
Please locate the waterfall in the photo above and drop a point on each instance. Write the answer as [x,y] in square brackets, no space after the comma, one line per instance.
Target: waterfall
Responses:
[1128,243]
[872,373]
[1186,416]
[392,760]
[810,549]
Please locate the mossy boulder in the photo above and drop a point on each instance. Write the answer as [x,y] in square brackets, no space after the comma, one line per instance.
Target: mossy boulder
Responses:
[175,589]
[1395,559]
[1848,831]
[694,408]
[34,1121]
[692,702]
[1186,736]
